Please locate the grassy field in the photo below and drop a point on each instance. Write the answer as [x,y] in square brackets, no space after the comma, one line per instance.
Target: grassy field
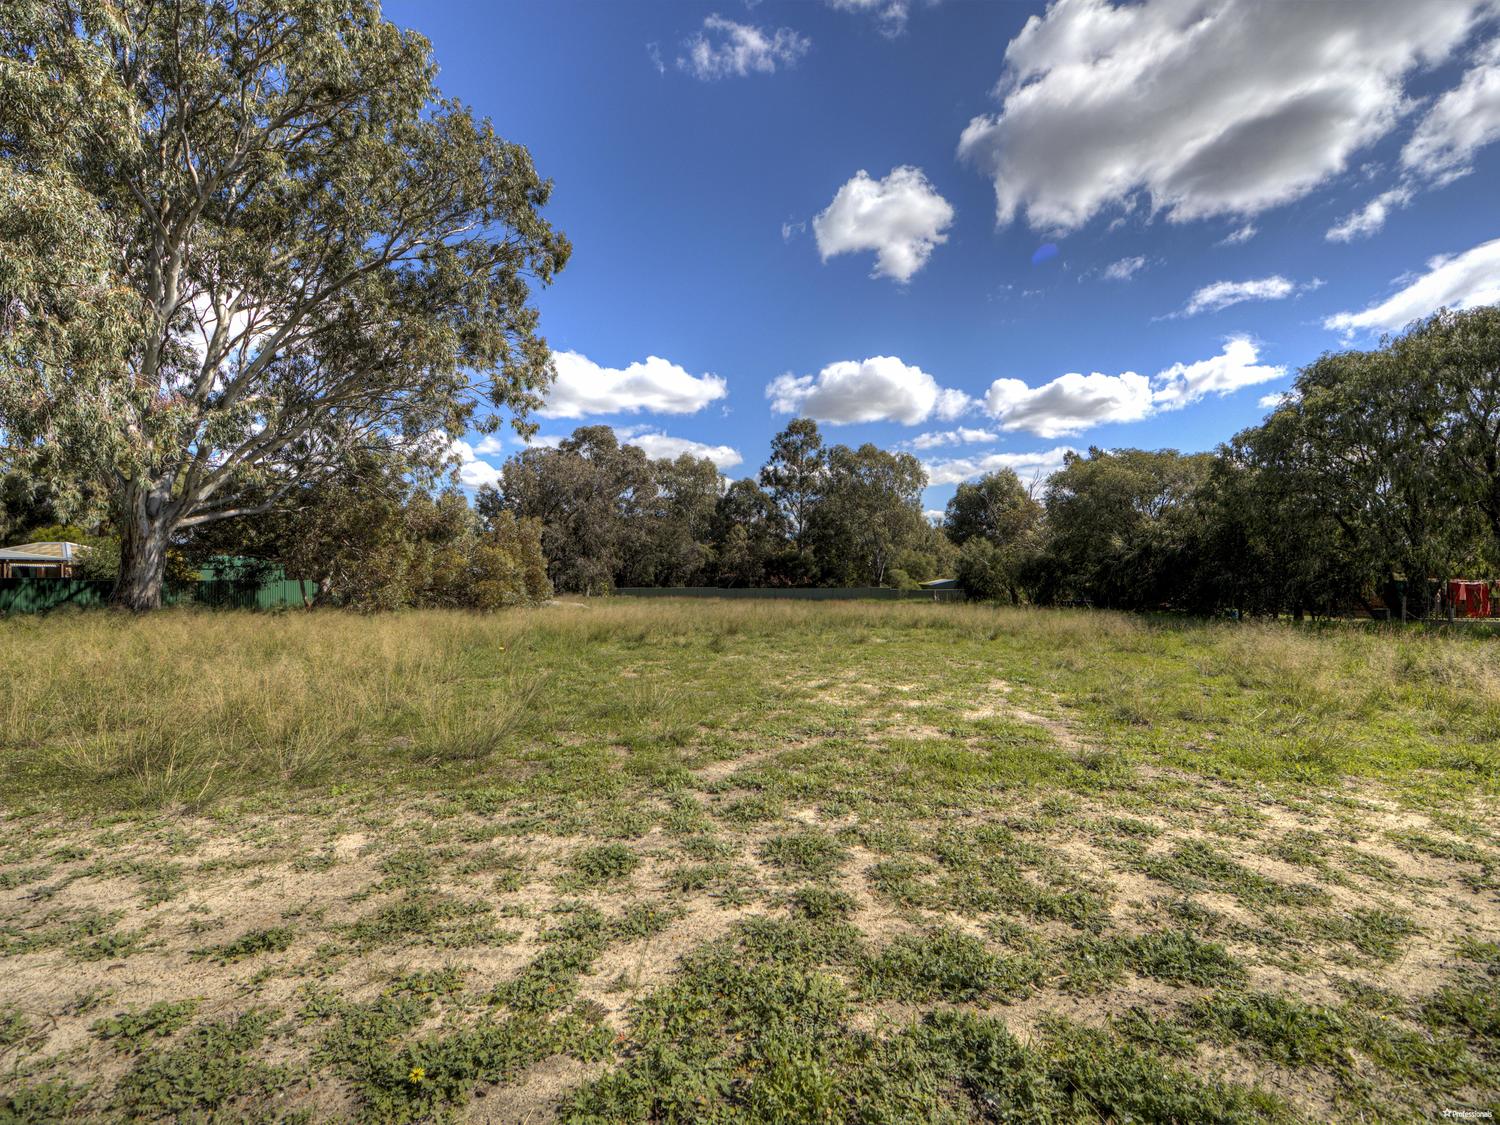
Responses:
[780,862]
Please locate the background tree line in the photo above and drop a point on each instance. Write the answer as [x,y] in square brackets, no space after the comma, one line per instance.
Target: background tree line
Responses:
[816,515]
[1377,477]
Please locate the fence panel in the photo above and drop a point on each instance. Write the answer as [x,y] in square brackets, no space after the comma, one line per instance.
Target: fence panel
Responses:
[801,593]
[40,595]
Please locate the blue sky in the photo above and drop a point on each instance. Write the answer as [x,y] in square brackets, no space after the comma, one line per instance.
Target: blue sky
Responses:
[844,208]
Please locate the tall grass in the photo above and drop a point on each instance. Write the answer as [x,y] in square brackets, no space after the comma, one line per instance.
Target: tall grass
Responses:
[184,706]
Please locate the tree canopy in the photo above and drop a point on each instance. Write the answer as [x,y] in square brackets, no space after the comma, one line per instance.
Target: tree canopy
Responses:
[282,249]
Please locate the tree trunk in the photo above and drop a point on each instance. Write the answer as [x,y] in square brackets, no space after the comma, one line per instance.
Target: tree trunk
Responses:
[144,533]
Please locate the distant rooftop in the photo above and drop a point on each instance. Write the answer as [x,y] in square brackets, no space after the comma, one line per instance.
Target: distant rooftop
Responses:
[44,552]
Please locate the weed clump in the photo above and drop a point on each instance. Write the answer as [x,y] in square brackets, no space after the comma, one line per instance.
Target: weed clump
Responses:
[277,939]
[131,1031]
[602,864]
[211,1069]
[947,965]
[807,853]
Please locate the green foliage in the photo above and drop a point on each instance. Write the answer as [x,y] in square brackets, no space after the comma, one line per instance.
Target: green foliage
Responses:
[807,853]
[822,903]
[132,1031]
[793,476]
[948,965]
[212,1068]
[380,237]
[277,939]
[370,539]
[591,495]
[39,1103]
[995,507]
[1122,526]
[14,1026]
[604,863]
[868,513]
[398,1079]
[430,918]
[988,573]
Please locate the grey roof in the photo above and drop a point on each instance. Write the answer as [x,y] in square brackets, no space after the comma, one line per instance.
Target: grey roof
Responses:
[43,552]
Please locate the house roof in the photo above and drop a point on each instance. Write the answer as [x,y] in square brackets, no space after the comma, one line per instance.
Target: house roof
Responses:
[43,552]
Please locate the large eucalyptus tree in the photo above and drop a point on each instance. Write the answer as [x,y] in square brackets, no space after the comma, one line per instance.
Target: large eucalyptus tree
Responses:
[244,240]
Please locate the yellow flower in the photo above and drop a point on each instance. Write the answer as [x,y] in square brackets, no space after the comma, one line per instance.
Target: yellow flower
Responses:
[416,1075]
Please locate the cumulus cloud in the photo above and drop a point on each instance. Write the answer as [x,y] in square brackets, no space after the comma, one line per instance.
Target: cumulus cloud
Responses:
[1069,403]
[1371,217]
[964,435]
[901,218]
[1455,281]
[1463,120]
[725,49]
[659,446]
[1272,400]
[1233,368]
[878,389]
[473,471]
[1036,466]
[1075,402]
[1216,107]
[1124,269]
[1222,294]
[657,386]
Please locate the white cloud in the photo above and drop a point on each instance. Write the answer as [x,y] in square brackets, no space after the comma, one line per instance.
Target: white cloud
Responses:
[880,388]
[1075,402]
[1222,294]
[1209,107]
[1463,120]
[1371,217]
[658,446]
[1238,235]
[1455,281]
[1069,403]
[583,387]
[1124,269]
[1272,400]
[901,218]
[1029,467]
[725,49]
[488,445]
[1229,371]
[891,13]
[472,471]
[964,435]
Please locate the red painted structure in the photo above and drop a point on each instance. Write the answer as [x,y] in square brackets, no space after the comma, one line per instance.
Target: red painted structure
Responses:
[1468,599]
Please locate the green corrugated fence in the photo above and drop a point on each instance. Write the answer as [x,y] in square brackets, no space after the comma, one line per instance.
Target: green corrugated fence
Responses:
[39,595]
[807,593]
